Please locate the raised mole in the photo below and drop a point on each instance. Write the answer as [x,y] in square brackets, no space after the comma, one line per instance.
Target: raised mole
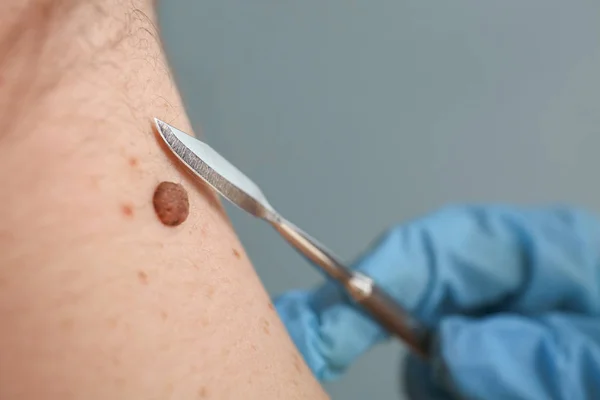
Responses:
[171,203]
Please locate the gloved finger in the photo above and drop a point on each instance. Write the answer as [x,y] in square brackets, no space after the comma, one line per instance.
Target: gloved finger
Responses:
[327,348]
[556,356]
[477,260]
[460,260]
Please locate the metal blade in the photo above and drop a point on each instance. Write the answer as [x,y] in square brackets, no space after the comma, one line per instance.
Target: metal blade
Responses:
[215,170]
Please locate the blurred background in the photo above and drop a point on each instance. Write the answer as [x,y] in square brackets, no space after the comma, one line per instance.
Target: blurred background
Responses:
[356,115]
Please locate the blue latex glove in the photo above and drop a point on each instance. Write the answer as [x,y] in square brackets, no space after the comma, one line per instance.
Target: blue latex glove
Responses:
[513,296]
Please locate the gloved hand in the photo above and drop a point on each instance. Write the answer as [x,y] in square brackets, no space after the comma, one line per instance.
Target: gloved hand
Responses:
[512,295]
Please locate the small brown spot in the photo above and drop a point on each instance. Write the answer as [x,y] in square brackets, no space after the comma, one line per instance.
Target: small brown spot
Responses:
[203,392]
[112,322]
[171,203]
[210,292]
[95,182]
[170,389]
[236,253]
[133,162]
[66,324]
[127,210]
[297,363]
[265,326]
[271,306]
[163,315]
[166,346]
[143,277]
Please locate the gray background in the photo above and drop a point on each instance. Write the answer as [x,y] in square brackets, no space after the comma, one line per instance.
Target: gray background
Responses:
[353,115]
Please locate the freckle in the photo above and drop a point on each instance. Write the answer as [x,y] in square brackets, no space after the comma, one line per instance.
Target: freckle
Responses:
[202,392]
[253,347]
[66,324]
[205,322]
[164,315]
[143,277]
[127,210]
[271,307]
[95,181]
[297,363]
[112,322]
[266,325]
[210,293]
[133,161]
[169,389]
[236,253]
[171,203]
[165,347]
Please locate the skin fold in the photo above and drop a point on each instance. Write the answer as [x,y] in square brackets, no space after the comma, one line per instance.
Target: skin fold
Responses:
[98,298]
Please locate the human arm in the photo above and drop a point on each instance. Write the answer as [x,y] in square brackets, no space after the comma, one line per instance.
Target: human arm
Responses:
[511,294]
[98,299]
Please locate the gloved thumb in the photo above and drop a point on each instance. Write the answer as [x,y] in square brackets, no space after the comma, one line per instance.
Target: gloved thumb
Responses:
[556,356]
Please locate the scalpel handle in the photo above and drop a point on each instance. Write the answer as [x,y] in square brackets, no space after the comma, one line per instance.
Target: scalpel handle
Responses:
[389,314]
[361,288]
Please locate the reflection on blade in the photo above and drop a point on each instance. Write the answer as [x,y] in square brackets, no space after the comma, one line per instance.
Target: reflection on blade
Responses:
[215,170]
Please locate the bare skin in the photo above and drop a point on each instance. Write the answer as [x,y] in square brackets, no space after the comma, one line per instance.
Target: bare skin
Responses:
[98,298]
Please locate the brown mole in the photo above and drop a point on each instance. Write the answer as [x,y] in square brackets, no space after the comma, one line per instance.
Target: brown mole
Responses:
[171,203]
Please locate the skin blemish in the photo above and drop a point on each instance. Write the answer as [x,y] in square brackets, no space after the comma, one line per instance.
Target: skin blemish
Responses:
[236,253]
[171,203]
[116,361]
[271,307]
[266,327]
[203,392]
[163,315]
[297,363]
[66,325]
[210,292]
[95,182]
[127,210]
[143,277]
[133,162]
[112,322]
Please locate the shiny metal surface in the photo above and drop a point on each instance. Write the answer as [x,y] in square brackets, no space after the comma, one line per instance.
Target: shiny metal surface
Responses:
[236,187]
[219,173]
